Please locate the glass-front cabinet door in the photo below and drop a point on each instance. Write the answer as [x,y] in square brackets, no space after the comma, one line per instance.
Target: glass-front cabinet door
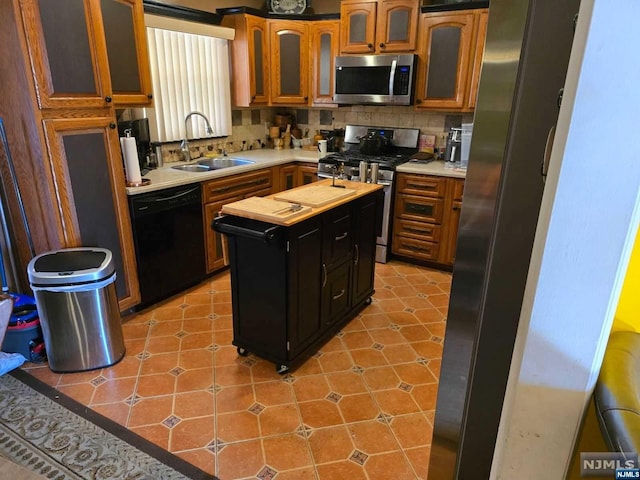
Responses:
[397,28]
[91,195]
[289,43]
[446,40]
[325,37]
[258,60]
[358,27]
[67,59]
[126,42]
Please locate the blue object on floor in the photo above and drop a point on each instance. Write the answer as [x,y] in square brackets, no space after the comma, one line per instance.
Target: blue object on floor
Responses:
[10,361]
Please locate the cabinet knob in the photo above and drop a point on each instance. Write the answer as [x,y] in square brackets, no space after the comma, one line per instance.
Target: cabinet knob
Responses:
[149,96]
[107,99]
[370,46]
[112,125]
[306,98]
[253,98]
[381,45]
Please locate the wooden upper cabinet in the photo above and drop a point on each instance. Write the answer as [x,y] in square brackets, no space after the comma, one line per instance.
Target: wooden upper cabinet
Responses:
[68,62]
[325,39]
[68,49]
[249,60]
[481,34]
[450,59]
[289,45]
[358,26]
[124,33]
[397,28]
[382,26]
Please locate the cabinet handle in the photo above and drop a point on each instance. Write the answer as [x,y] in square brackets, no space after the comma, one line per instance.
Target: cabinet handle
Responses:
[240,185]
[456,208]
[306,98]
[416,249]
[381,45]
[342,237]
[370,46]
[419,209]
[335,297]
[107,99]
[324,275]
[112,125]
[357,259]
[149,96]
[421,187]
[418,231]
[253,98]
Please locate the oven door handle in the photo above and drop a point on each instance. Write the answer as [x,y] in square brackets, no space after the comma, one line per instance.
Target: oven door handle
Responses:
[385,183]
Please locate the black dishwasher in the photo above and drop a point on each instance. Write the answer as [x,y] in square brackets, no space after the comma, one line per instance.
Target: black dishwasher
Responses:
[169,241]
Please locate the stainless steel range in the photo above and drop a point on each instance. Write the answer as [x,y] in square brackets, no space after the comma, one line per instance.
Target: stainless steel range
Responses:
[400,144]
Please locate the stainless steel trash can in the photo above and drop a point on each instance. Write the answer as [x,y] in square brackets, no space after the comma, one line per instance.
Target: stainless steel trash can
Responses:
[76,299]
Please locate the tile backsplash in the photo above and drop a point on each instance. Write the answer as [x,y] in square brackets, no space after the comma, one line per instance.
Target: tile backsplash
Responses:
[250,126]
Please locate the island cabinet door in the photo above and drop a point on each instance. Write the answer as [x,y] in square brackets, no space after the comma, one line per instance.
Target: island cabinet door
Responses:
[364,248]
[336,293]
[305,276]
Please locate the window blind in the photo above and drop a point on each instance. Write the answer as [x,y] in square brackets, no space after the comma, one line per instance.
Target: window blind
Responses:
[189,72]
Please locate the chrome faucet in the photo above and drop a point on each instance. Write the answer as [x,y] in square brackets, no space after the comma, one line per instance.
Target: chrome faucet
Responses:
[184,145]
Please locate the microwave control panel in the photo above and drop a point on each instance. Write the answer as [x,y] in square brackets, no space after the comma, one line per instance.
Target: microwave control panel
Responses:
[402,81]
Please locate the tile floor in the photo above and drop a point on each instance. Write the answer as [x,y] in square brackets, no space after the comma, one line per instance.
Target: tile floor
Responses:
[361,408]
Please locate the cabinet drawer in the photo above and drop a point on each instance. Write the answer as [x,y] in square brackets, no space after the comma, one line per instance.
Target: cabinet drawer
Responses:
[422,185]
[415,248]
[238,185]
[337,236]
[458,189]
[421,209]
[418,230]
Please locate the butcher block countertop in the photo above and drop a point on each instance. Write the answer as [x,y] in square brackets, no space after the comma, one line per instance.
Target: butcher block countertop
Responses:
[307,201]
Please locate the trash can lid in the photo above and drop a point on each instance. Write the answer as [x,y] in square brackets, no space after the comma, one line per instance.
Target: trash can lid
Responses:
[71,265]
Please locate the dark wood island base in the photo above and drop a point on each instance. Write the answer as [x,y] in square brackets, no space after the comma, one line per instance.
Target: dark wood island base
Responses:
[295,283]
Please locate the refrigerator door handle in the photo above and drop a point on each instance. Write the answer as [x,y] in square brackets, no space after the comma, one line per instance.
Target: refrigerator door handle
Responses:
[544,167]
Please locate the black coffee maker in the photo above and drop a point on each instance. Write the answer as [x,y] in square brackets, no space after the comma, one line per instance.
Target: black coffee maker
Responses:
[140,131]
[453,149]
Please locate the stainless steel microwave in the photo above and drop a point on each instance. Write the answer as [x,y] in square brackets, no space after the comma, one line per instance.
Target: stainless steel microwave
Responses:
[374,79]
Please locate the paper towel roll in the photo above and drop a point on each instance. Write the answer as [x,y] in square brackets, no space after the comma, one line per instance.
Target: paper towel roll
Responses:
[130,154]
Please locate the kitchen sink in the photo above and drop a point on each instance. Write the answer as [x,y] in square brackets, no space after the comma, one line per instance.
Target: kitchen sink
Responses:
[194,167]
[212,164]
[224,162]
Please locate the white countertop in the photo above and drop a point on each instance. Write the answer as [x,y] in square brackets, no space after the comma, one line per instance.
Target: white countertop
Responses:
[167,177]
[432,168]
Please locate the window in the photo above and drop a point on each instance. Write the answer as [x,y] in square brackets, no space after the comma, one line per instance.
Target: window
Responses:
[190,72]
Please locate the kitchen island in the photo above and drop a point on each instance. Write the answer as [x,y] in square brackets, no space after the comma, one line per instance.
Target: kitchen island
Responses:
[299,273]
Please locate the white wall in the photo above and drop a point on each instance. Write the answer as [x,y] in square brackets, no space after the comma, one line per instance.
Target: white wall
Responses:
[587,225]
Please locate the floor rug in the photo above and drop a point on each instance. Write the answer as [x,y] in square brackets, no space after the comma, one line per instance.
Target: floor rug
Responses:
[55,436]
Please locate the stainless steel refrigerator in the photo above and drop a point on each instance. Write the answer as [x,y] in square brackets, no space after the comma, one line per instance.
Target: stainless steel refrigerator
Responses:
[524,67]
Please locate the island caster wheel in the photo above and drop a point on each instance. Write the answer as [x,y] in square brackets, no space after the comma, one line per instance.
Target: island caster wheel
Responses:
[282,369]
[368,301]
[242,352]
